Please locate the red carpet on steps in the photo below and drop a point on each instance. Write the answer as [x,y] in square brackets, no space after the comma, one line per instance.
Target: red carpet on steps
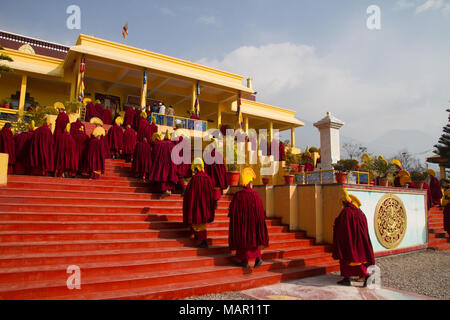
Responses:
[128,243]
[437,237]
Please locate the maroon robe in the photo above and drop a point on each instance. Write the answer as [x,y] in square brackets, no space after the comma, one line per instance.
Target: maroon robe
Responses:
[90,112]
[137,118]
[129,117]
[129,143]
[78,132]
[436,191]
[115,138]
[153,129]
[218,174]
[144,130]
[351,242]
[247,228]
[66,155]
[198,200]
[61,123]
[183,169]
[95,157]
[106,149]
[98,111]
[142,159]
[107,116]
[447,218]
[163,173]
[23,146]
[42,150]
[7,145]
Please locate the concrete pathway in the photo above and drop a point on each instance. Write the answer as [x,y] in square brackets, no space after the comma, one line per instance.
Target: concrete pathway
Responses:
[325,288]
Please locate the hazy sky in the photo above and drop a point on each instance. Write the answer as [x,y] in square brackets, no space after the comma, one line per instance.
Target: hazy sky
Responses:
[311,56]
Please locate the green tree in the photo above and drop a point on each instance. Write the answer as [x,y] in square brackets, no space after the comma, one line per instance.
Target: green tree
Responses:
[443,146]
[4,57]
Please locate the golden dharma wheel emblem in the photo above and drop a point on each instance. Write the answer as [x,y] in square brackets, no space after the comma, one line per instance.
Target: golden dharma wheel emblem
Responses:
[390,221]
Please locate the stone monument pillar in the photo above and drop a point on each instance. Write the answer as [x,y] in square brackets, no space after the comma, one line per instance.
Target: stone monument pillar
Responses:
[330,147]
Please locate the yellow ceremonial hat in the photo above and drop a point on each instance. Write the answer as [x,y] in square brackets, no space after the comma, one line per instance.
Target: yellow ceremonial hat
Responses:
[68,128]
[32,125]
[365,157]
[397,163]
[431,172]
[153,120]
[402,173]
[87,100]
[96,120]
[98,101]
[198,164]
[59,106]
[247,176]
[167,135]
[99,131]
[404,180]
[144,115]
[345,196]
[119,121]
[47,121]
[355,201]
[156,137]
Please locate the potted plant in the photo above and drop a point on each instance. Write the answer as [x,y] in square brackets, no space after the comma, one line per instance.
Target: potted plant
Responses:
[289,177]
[266,178]
[292,160]
[342,167]
[382,170]
[233,169]
[418,178]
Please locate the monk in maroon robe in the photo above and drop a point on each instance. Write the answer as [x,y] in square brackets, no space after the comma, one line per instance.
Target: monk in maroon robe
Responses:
[78,132]
[137,118]
[66,162]
[247,228]
[61,123]
[142,159]
[90,112]
[98,110]
[129,117]
[144,130]
[42,150]
[184,170]
[107,116]
[115,139]
[95,156]
[218,173]
[23,146]
[351,242]
[436,191]
[153,127]
[163,173]
[7,145]
[198,203]
[447,218]
[129,143]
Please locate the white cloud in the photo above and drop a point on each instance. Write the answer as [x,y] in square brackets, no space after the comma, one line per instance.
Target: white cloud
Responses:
[430,4]
[421,6]
[208,20]
[294,76]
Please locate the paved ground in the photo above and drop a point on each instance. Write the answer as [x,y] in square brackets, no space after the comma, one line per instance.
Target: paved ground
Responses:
[418,275]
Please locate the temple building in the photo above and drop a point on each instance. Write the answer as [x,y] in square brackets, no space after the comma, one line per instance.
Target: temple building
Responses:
[45,73]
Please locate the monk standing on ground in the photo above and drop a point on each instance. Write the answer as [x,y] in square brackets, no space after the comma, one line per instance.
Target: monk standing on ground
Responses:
[144,128]
[42,150]
[129,143]
[163,173]
[115,138]
[184,170]
[61,121]
[142,159]
[198,203]
[247,229]
[435,188]
[217,171]
[66,162]
[7,145]
[153,127]
[107,116]
[95,157]
[351,241]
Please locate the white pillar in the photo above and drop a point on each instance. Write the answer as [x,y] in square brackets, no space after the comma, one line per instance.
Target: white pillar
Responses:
[330,147]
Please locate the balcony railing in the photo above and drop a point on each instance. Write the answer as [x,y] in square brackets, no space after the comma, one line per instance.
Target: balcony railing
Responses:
[172,121]
[328,177]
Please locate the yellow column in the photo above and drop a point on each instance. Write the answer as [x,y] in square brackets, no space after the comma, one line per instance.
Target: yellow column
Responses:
[270,131]
[246,123]
[77,65]
[293,137]
[194,89]
[442,172]
[23,91]
[144,91]
[219,116]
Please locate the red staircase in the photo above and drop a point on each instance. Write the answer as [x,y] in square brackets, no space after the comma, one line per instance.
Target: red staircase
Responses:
[438,239]
[128,243]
